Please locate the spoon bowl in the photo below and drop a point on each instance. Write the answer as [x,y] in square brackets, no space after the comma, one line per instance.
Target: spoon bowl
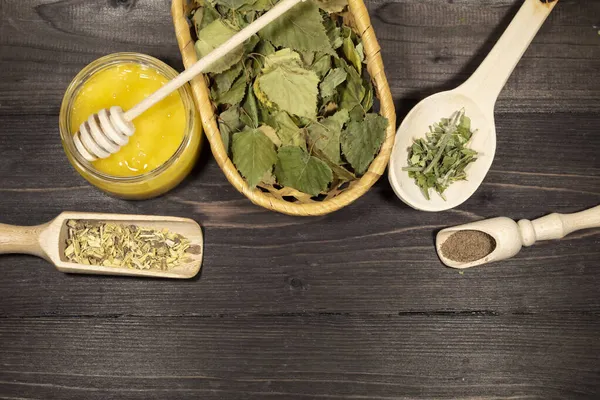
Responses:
[416,125]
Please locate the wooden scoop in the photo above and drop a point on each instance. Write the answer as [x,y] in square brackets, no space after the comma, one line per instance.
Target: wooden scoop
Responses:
[48,241]
[511,236]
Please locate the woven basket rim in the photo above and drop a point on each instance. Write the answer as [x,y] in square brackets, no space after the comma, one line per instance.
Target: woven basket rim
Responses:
[267,200]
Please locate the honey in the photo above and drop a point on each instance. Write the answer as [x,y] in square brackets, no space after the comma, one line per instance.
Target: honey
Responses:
[167,137]
[158,132]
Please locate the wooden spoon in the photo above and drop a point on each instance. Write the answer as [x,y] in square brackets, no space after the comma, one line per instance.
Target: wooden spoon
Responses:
[477,96]
[48,241]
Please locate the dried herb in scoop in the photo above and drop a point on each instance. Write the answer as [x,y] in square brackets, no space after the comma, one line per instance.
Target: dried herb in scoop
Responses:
[124,246]
[441,157]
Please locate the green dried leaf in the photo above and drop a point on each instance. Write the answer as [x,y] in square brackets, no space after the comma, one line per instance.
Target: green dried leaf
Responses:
[332,6]
[251,43]
[234,95]
[367,102]
[300,29]
[259,5]
[334,78]
[235,19]
[289,133]
[204,16]
[308,57]
[321,65]
[234,4]
[269,178]
[271,134]
[289,86]
[361,141]
[253,154]
[229,123]
[361,52]
[252,67]
[340,173]
[265,48]
[283,57]
[211,37]
[333,33]
[224,80]
[262,97]
[352,92]
[351,54]
[325,135]
[249,113]
[297,169]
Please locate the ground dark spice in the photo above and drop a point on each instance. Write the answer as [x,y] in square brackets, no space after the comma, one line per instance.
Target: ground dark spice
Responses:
[468,246]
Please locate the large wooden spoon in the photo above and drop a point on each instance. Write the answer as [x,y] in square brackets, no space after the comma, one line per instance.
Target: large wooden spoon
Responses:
[477,96]
[48,241]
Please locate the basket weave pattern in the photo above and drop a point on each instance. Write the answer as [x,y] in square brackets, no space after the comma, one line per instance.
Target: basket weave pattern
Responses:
[275,198]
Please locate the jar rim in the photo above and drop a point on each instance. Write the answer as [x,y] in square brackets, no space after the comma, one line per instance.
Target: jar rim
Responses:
[91,70]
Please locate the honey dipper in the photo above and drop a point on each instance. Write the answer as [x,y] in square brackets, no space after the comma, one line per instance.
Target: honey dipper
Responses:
[105,132]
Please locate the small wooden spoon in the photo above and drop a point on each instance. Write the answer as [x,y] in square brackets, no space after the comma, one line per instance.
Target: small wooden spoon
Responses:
[477,96]
[48,241]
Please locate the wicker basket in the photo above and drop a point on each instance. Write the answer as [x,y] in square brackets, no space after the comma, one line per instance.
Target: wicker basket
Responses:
[288,200]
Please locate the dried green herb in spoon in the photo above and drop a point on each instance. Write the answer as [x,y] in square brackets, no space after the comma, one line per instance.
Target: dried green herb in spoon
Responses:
[440,159]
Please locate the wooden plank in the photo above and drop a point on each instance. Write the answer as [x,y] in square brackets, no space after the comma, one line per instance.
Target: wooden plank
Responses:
[427,46]
[556,146]
[376,255]
[431,45]
[298,357]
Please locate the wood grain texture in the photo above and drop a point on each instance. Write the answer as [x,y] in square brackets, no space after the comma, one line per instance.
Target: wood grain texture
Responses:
[427,46]
[302,357]
[354,305]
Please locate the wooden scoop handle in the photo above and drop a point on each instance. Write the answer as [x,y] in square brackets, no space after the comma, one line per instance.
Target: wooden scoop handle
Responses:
[21,240]
[557,226]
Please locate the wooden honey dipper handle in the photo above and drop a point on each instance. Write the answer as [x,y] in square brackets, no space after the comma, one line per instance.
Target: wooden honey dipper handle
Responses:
[201,66]
[557,226]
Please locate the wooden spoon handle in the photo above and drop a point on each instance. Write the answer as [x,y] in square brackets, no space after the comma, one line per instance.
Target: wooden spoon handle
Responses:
[557,226]
[488,80]
[21,239]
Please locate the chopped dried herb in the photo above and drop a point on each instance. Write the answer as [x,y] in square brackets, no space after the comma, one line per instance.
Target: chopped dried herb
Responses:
[123,246]
[441,158]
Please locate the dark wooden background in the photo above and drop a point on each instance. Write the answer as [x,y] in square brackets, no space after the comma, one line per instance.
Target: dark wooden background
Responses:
[354,305]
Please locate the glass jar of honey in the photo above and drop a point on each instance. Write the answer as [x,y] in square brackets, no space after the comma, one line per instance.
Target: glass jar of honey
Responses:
[167,138]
